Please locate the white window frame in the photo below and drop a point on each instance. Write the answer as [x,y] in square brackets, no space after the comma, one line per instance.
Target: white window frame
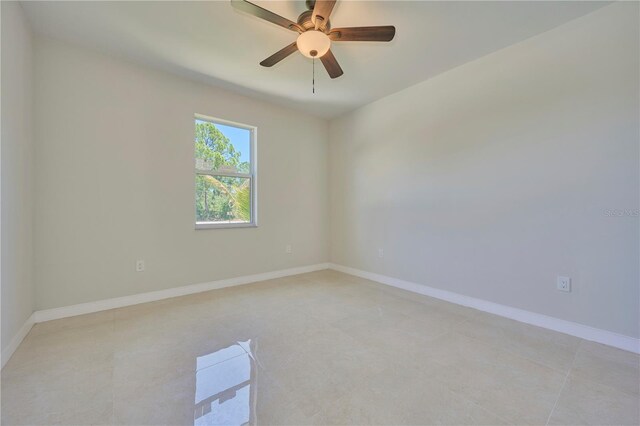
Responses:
[252,175]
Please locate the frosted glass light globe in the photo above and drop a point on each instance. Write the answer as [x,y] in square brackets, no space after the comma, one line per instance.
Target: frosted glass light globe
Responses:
[313,41]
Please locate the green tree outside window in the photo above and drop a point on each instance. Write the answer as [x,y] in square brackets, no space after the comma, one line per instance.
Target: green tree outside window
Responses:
[220,198]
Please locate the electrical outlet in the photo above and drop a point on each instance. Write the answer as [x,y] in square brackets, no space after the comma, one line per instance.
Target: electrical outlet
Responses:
[287,249]
[564,284]
[139,265]
[380,252]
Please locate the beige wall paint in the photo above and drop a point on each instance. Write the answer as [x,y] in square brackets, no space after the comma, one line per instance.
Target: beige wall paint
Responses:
[493,178]
[16,172]
[115,182]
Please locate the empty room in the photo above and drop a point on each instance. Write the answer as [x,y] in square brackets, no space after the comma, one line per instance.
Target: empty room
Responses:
[320,212]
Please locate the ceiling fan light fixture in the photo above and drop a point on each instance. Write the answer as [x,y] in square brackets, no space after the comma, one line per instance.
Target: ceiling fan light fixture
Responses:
[315,33]
[313,43]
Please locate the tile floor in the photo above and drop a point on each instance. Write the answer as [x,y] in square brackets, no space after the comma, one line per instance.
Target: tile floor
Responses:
[319,348]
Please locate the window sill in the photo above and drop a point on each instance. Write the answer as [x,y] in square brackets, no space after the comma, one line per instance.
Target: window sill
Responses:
[224,225]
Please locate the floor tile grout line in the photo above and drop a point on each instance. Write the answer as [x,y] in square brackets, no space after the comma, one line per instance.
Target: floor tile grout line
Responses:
[520,355]
[609,386]
[462,396]
[524,358]
[490,411]
[515,353]
[564,383]
[224,360]
[510,351]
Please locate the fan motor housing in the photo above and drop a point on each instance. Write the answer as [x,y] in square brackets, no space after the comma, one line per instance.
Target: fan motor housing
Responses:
[304,20]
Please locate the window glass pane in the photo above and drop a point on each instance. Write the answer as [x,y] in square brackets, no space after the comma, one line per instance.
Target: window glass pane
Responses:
[221,147]
[222,199]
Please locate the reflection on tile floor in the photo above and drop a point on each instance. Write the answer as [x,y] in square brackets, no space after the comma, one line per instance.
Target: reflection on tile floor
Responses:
[318,348]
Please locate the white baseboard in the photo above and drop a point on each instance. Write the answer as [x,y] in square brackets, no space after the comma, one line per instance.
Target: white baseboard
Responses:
[119,302]
[579,330]
[17,339]
[586,332]
[135,299]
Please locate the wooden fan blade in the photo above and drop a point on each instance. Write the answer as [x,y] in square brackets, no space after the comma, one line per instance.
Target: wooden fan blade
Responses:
[279,55]
[385,33]
[321,12]
[265,14]
[331,64]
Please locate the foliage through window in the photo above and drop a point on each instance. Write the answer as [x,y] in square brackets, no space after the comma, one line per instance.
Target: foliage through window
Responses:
[225,174]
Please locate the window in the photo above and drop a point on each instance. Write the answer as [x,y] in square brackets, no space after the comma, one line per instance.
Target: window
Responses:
[225,174]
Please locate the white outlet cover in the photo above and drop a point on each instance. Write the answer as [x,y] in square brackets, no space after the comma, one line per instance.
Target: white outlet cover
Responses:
[380,252]
[564,284]
[139,265]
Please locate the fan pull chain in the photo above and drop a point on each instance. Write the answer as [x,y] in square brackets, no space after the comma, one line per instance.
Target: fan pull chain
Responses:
[313,80]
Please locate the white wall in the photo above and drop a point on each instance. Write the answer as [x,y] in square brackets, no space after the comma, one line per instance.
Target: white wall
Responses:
[16,172]
[115,182]
[488,180]
[495,177]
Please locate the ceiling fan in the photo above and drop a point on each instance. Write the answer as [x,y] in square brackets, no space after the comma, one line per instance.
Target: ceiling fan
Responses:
[315,33]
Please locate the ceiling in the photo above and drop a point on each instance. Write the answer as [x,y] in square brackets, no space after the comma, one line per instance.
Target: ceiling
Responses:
[214,43]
